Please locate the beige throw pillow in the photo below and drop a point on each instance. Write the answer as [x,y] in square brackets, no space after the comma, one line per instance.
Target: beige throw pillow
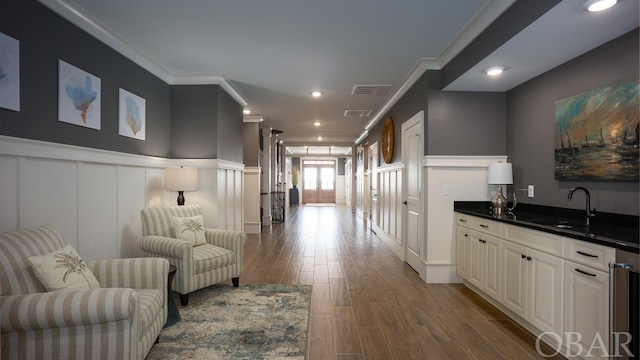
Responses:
[63,269]
[189,229]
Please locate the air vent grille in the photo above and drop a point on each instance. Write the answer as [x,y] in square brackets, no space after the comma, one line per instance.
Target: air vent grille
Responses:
[375,90]
[357,113]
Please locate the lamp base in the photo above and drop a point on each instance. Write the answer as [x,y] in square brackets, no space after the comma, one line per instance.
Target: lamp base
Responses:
[499,203]
[180,198]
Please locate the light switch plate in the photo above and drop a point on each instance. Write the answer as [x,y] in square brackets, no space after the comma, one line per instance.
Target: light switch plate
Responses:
[530,191]
[445,190]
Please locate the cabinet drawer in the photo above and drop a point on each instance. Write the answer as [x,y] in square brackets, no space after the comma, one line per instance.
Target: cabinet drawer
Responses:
[485,226]
[538,240]
[586,253]
[462,219]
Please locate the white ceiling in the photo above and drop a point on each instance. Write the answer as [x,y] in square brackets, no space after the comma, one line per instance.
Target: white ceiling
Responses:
[272,54]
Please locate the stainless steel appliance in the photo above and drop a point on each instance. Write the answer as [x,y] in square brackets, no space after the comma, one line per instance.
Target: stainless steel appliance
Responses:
[624,301]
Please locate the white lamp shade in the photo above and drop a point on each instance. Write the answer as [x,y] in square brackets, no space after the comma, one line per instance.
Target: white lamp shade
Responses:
[500,174]
[181,179]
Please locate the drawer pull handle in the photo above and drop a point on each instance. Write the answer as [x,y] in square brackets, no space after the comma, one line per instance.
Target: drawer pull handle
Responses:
[585,254]
[584,272]
[528,258]
[484,226]
[465,235]
[462,220]
[524,256]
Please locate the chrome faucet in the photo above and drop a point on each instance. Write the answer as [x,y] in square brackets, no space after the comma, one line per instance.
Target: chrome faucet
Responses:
[589,214]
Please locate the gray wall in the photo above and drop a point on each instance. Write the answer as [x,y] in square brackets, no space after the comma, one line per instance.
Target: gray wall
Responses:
[194,123]
[530,127]
[251,143]
[46,38]
[229,128]
[456,122]
[414,100]
[466,123]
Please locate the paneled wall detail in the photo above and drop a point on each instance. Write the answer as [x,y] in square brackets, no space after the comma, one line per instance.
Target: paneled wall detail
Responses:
[388,215]
[95,196]
[362,200]
[466,179]
[252,220]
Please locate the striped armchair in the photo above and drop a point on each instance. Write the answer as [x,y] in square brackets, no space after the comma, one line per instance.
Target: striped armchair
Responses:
[120,320]
[199,266]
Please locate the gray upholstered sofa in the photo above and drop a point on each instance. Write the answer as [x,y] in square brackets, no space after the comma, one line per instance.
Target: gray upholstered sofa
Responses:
[200,266]
[119,320]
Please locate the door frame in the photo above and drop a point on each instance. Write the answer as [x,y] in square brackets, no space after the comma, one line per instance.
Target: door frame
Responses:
[416,119]
[373,177]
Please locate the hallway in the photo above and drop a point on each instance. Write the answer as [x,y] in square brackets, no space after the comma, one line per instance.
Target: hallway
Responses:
[367,304]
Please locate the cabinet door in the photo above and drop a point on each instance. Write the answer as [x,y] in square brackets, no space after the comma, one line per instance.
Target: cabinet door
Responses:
[463,241]
[514,271]
[545,305]
[586,305]
[492,266]
[476,263]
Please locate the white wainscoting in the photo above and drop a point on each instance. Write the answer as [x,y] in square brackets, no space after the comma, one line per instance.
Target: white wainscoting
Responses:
[95,196]
[340,190]
[466,177]
[252,200]
[362,201]
[388,224]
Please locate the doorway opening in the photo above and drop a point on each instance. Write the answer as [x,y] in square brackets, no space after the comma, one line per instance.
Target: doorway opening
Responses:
[319,181]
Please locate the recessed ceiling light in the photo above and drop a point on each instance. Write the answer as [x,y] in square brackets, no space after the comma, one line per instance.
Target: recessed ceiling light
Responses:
[599,5]
[494,71]
[319,138]
[316,94]
[317,123]
[246,111]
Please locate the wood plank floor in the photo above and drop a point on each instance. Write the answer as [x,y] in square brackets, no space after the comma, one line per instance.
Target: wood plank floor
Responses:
[367,304]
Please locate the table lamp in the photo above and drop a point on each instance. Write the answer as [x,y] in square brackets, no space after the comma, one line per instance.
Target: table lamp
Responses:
[500,174]
[180,179]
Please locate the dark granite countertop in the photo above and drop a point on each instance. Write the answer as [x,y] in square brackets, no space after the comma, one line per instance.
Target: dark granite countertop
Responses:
[613,230]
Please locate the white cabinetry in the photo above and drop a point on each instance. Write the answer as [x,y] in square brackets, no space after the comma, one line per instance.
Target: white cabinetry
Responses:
[463,246]
[478,254]
[533,282]
[586,306]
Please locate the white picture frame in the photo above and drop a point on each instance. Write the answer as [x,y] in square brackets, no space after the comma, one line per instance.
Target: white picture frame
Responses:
[79,96]
[9,73]
[131,115]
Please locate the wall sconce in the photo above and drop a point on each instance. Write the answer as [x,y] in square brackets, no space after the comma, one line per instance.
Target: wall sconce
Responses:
[181,179]
[500,174]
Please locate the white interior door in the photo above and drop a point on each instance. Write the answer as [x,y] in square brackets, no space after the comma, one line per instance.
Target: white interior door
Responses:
[411,155]
[373,165]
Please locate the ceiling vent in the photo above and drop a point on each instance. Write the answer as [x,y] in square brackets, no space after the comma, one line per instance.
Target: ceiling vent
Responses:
[375,90]
[357,113]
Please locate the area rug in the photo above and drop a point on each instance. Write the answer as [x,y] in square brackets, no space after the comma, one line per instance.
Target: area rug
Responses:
[247,322]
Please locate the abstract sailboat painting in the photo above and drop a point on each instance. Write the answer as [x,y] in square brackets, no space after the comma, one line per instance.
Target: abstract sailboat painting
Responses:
[596,134]
[78,96]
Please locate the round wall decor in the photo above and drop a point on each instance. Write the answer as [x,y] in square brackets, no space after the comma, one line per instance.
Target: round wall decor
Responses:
[387,140]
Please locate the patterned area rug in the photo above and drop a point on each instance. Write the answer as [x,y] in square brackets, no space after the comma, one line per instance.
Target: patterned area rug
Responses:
[248,322]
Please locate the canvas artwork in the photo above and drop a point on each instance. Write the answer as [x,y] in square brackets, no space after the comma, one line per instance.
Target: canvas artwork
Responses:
[9,73]
[132,115]
[596,136]
[78,97]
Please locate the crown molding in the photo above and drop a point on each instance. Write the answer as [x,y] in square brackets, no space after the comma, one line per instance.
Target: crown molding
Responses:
[418,70]
[485,17]
[95,28]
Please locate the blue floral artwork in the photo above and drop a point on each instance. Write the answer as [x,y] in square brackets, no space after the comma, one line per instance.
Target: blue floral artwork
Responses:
[9,73]
[131,115]
[78,97]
